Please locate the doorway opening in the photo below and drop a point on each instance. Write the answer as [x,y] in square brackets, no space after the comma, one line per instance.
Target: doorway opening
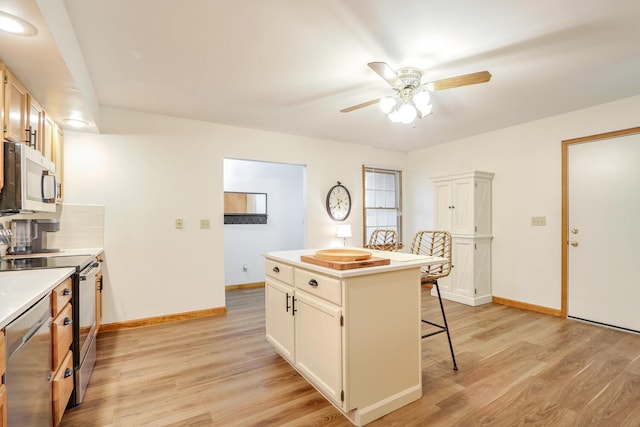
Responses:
[285,226]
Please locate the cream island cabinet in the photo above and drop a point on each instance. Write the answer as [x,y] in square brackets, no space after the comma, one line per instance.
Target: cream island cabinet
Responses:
[353,334]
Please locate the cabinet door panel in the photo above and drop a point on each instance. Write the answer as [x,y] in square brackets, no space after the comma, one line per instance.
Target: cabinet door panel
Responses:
[462,275]
[3,405]
[482,266]
[15,120]
[3,356]
[442,206]
[463,202]
[319,344]
[279,318]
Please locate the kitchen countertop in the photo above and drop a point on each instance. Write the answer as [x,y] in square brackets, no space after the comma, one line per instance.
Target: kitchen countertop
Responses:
[399,261]
[19,290]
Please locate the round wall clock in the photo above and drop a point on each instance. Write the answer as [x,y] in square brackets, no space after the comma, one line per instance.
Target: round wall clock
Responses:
[338,202]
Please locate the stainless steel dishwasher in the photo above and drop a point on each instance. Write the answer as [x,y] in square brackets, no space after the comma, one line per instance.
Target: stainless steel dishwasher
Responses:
[28,372]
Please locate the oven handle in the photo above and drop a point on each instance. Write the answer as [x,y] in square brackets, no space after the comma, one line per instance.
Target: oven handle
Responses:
[89,270]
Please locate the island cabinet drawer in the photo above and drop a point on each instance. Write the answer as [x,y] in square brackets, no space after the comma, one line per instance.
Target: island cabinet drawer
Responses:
[280,271]
[60,296]
[61,388]
[316,284]
[61,335]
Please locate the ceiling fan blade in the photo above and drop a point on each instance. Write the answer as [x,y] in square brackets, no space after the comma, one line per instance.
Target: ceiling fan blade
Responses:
[387,73]
[464,80]
[357,107]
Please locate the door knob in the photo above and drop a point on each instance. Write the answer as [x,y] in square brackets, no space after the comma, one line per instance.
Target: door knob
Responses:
[574,243]
[574,231]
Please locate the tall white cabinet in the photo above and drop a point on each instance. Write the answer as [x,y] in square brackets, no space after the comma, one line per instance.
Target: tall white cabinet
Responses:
[462,206]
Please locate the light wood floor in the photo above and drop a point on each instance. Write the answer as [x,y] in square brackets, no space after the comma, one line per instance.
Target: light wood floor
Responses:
[516,368]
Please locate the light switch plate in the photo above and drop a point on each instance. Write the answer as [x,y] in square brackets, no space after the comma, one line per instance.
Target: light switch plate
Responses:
[204,224]
[539,221]
[179,223]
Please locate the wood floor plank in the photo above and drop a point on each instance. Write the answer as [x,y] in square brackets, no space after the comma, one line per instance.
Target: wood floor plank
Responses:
[516,368]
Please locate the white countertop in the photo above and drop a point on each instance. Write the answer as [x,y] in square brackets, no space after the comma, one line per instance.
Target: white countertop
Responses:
[19,290]
[399,261]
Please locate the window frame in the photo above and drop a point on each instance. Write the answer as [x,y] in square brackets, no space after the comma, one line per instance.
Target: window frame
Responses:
[398,208]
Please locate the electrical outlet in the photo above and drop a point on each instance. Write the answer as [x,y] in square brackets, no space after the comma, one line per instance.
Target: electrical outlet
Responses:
[179,223]
[204,224]
[539,221]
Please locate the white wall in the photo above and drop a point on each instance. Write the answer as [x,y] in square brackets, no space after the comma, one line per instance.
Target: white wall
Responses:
[148,170]
[285,228]
[526,160]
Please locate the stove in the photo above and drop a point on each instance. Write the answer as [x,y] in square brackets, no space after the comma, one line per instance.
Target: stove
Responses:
[79,262]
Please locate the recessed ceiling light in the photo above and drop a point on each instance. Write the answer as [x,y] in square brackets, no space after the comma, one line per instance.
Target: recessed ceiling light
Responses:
[14,25]
[76,123]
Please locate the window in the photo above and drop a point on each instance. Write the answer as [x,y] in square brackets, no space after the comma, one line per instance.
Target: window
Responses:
[382,201]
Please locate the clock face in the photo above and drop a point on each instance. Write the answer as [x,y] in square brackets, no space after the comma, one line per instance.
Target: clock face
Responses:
[338,202]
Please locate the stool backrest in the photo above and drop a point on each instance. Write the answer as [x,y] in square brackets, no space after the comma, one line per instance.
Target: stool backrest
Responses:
[433,243]
[383,240]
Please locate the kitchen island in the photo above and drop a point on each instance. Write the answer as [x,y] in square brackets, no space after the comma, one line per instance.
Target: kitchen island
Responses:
[354,334]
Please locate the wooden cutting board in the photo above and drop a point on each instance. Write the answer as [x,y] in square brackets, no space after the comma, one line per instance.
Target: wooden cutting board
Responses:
[343,254]
[345,265]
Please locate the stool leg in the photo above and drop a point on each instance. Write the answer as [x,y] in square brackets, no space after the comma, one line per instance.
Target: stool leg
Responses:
[446,326]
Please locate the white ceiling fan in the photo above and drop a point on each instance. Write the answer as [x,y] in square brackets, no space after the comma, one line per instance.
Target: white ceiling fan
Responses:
[411,98]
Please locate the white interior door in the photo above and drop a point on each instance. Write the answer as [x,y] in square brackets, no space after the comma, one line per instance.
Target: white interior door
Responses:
[604,231]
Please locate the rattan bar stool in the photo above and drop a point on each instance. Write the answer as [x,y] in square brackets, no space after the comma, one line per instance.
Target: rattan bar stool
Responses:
[383,240]
[435,243]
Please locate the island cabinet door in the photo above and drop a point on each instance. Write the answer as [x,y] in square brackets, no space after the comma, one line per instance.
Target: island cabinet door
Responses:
[319,344]
[279,317]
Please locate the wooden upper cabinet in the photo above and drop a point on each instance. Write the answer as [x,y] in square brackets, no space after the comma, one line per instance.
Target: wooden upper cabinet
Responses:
[49,132]
[58,158]
[35,125]
[16,101]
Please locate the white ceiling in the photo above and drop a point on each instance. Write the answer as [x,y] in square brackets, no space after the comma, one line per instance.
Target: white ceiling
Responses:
[291,65]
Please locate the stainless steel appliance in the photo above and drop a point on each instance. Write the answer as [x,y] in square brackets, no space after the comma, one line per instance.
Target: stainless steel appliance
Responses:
[23,231]
[29,181]
[83,301]
[28,369]
[29,236]
[84,340]
[43,227]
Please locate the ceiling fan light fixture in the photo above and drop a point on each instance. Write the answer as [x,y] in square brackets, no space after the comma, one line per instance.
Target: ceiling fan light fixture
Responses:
[421,99]
[395,116]
[408,113]
[387,104]
[424,112]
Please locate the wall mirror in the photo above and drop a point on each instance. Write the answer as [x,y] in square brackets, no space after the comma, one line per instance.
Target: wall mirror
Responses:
[245,208]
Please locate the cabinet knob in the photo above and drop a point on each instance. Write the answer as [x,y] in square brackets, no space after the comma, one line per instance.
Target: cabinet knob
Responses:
[68,372]
[574,244]
[66,292]
[67,321]
[276,269]
[313,283]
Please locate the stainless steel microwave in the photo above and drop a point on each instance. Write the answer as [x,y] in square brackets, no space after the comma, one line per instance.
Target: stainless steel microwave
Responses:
[29,181]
